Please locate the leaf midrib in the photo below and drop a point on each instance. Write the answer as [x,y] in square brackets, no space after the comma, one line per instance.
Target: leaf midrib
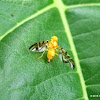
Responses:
[68,33]
[59,4]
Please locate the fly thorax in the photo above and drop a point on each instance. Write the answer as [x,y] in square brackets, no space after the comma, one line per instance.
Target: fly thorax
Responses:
[55,44]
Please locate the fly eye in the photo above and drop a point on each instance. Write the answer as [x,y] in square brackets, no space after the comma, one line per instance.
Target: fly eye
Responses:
[61,48]
[47,41]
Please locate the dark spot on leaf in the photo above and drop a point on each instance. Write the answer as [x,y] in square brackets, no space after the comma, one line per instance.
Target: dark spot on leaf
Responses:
[12,15]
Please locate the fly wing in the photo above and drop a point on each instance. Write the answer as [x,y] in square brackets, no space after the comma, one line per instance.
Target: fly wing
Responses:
[39,47]
[65,58]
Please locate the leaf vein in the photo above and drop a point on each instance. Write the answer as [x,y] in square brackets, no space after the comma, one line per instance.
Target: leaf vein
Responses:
[55,77]
[89,58]
[82,5]
[59,4]
[92,76]
[27,19]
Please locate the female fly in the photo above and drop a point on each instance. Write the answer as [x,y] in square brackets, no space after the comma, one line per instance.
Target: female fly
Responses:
[52,48]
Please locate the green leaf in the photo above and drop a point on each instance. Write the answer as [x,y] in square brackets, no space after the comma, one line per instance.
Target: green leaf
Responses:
[76,23]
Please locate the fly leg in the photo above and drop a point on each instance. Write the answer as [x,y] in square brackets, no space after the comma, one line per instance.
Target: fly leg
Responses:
[55,58]
[42,54]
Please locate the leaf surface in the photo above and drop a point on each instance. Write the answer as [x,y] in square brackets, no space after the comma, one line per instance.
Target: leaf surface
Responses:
[76,24]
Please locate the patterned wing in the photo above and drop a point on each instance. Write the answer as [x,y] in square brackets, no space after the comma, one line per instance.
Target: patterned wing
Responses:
[65,58]
[39,47]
